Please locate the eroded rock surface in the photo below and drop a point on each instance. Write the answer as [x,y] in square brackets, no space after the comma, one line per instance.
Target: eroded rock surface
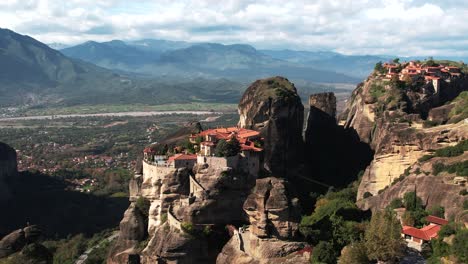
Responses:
[273,209]
[434,190]
[274,216]
[392,121]
[273,107]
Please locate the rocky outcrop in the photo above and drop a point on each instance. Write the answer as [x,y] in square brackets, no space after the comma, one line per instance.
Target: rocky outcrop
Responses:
[400,146]
[392,121]
[18,239]
[274,216]
[273,209]
[329,144]
[434,190]
[8,169]
[273,107]
[133,229]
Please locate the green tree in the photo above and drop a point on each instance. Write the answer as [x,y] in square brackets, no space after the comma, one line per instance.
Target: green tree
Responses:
[324,253]
[143,205]
[227,148]
[382,239]
[354,253]
[460,246]
[395,203]
[437,210]
[396,60]
[411,201]
[379,67]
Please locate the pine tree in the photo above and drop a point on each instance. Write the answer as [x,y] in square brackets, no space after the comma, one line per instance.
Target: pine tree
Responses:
[383,237]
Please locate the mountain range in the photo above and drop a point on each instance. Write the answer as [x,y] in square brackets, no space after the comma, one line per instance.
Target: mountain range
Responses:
[154,71]
[33,74]
[145,71]
[208,60]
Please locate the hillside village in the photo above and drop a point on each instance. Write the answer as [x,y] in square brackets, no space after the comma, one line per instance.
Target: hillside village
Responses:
[414,71]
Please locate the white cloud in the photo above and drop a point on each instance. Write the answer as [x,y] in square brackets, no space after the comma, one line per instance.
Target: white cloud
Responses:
[404,27]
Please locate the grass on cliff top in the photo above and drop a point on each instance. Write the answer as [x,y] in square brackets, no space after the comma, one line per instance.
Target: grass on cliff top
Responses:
[275,87]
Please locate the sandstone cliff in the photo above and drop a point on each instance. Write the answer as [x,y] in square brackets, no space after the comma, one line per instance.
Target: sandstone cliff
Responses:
[441,189]
[8,169]
[392,120]
[274,217]
[273,107]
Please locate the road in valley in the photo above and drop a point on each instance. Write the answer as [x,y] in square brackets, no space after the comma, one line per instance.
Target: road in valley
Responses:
[134,114]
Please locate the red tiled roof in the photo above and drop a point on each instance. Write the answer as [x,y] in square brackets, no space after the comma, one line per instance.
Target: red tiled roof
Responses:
[436,220]
[250,146]
[414,232]
[148,150]
[182,157]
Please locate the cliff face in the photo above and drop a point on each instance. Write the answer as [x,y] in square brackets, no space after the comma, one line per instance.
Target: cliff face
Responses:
[183,203]
[273,107]
[442,189]
[391,119]
[274,216]
[8,169]
[329,144]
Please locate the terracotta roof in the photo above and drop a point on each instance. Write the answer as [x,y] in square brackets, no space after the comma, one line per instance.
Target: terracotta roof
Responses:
[427,233]
[148,150]
[250,146]
[182,157]
[436,220]
[228,132]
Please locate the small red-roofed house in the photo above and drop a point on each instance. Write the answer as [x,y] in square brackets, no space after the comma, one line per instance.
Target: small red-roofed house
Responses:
[416,237]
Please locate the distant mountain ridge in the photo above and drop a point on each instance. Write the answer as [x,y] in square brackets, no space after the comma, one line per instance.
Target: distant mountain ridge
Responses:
[33,74]
[238,62]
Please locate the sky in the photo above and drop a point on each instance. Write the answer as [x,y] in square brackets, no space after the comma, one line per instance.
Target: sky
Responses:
[390,27]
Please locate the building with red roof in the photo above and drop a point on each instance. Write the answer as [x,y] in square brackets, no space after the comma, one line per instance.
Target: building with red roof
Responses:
[416,237]
[182,160]
[209,139]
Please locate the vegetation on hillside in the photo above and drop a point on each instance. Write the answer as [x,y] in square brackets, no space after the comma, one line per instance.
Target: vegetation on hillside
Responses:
[337,223]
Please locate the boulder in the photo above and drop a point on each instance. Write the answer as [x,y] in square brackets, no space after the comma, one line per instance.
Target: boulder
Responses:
[273,209]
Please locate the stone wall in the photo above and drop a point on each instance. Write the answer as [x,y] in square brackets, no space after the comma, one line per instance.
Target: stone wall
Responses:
[222,162]
[172,220]
[195,188]
[155,172]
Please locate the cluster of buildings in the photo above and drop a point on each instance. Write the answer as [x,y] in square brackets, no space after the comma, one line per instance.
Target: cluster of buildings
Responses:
[417,71]
[415,237]
[205,144]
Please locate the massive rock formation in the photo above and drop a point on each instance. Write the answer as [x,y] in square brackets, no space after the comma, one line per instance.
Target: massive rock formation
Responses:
[273,209]
[434,190]
[133,229]
[273,107]
[274,216]
[8,169]
[329,144]
[392,121]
